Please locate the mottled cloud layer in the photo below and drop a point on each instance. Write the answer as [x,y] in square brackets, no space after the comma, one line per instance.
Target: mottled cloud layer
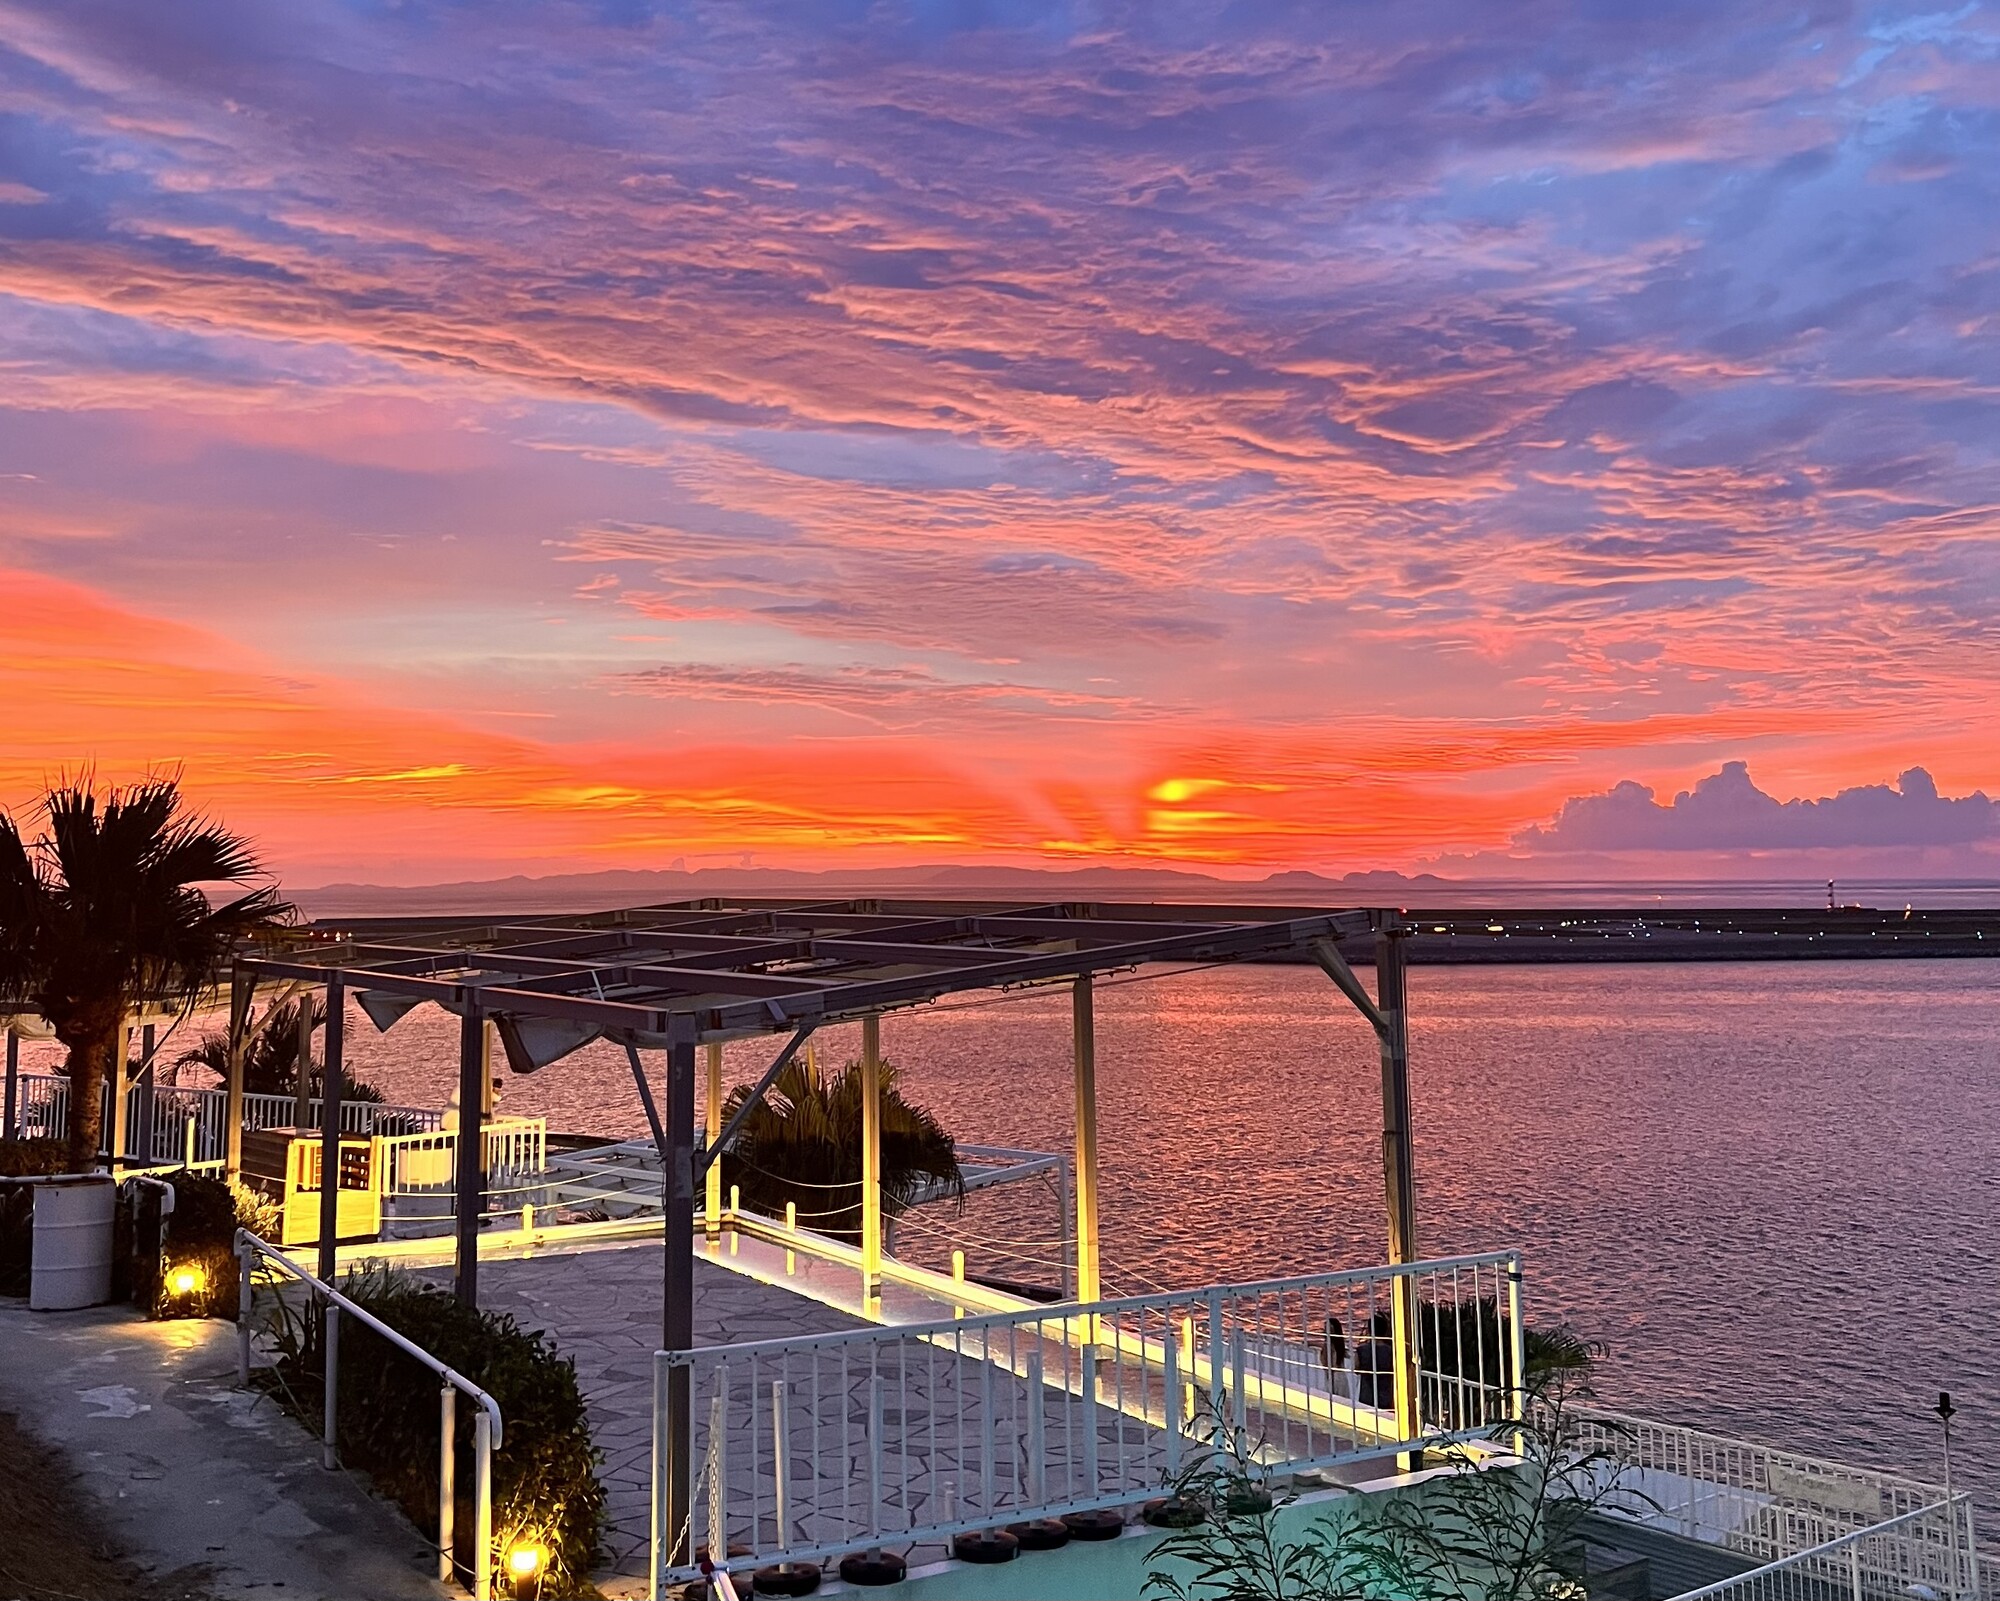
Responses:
[1396,418]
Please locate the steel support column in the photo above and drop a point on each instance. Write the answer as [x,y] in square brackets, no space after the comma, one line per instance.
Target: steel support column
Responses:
[10,1122]
[871,1155]
[710,1133]
[677,1319]
[242,990]
[1088,1284]
[489,1086]
[120,1125]
[144,1082]
[333,1076]
[1399,1181]
[302,1091]
[469,1186]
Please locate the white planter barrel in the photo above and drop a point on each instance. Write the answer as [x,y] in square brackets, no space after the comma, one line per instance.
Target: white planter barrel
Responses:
[75,1229]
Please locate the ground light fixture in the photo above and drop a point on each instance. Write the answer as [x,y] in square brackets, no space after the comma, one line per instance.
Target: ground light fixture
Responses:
[187,1279]
[525,1564]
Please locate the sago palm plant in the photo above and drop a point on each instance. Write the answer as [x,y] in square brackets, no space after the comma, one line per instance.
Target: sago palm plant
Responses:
[803,1144]
[103,912]
[271,1056]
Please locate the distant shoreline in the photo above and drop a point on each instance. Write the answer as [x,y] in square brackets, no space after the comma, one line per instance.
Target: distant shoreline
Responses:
[605,891]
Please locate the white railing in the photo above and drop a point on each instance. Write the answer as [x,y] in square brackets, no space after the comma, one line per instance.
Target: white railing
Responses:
[356,1117]
[1917,1553]
[836,1443]
[42,1111]
[253,1254]
[417,1174]
[1754,1499]
[178,1125]
[516,1149]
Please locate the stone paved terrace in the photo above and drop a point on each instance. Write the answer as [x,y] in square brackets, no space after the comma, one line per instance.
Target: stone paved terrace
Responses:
[602,1308]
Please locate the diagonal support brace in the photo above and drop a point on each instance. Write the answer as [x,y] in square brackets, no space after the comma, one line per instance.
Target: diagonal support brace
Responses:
[714,1148]
[652,1109]
[1327,954]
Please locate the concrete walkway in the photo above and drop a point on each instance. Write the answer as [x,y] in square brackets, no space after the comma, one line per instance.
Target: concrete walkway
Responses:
[192,1471]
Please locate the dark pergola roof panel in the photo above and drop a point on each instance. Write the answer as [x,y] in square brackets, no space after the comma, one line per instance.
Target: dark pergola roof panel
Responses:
[716,970]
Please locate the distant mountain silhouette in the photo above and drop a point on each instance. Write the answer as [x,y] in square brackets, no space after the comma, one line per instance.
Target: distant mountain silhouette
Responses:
[637,887]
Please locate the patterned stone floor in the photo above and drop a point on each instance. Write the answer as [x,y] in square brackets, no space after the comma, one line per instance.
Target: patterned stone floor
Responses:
[603,1309]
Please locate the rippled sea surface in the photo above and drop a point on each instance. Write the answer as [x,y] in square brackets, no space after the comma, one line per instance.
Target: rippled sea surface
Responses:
[1772,1189]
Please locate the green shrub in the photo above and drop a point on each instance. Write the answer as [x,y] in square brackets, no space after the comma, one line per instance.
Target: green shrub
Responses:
[545,1485]
[32,1158]
[201,1242]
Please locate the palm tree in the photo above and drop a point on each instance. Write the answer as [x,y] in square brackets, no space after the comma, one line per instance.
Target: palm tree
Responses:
[271,1057]
[102,913]
[802,1144]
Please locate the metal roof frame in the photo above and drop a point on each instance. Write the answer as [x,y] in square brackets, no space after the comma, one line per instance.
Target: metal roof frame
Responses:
[731,969]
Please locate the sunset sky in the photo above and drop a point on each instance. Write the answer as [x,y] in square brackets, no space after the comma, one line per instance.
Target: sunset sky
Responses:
[536,437]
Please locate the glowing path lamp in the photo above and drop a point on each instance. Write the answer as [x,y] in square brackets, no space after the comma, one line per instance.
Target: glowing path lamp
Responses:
[526,1562]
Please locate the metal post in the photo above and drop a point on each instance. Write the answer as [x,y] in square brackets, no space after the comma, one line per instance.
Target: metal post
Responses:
[1946,1411]
[1068,1233]
[874,1453]
[243,1314]
[10,1121]
[332,1076]
[148,1041]
[1392,999]
[1170,1385]
[489,1088]
[302,1091]
[677,1321]
[1517,1352]
[482,1506]
[121,1127]
[986,1424]
[469,1185]
[1037,1443]
[871,1155]
[242,990]
[779,1467]
[1238,1360]
[330,1410]
[661,1541]
[1088,1365]
[718,1469]
[711,1132]
[1216,1388]
[1085,1029]
[1854,1570]
[447,1477]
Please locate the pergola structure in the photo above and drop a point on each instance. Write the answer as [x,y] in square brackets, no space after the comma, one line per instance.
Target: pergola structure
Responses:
[677,977]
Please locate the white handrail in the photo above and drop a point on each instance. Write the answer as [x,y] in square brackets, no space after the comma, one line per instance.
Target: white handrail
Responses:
[487,1431]
[1054,1409]
[1746,1583]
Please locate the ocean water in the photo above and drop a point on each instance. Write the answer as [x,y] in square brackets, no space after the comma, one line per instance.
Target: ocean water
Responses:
[1772,1190]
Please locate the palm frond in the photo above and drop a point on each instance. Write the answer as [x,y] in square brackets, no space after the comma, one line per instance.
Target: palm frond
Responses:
[802,1144]
[105,910]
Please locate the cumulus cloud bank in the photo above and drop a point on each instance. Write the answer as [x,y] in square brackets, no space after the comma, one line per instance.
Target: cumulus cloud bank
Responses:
[1727,811]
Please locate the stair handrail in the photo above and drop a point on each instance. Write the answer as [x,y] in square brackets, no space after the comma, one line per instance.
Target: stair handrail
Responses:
[487,1431]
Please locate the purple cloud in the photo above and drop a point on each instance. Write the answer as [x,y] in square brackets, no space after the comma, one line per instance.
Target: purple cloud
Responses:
[1727,811]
